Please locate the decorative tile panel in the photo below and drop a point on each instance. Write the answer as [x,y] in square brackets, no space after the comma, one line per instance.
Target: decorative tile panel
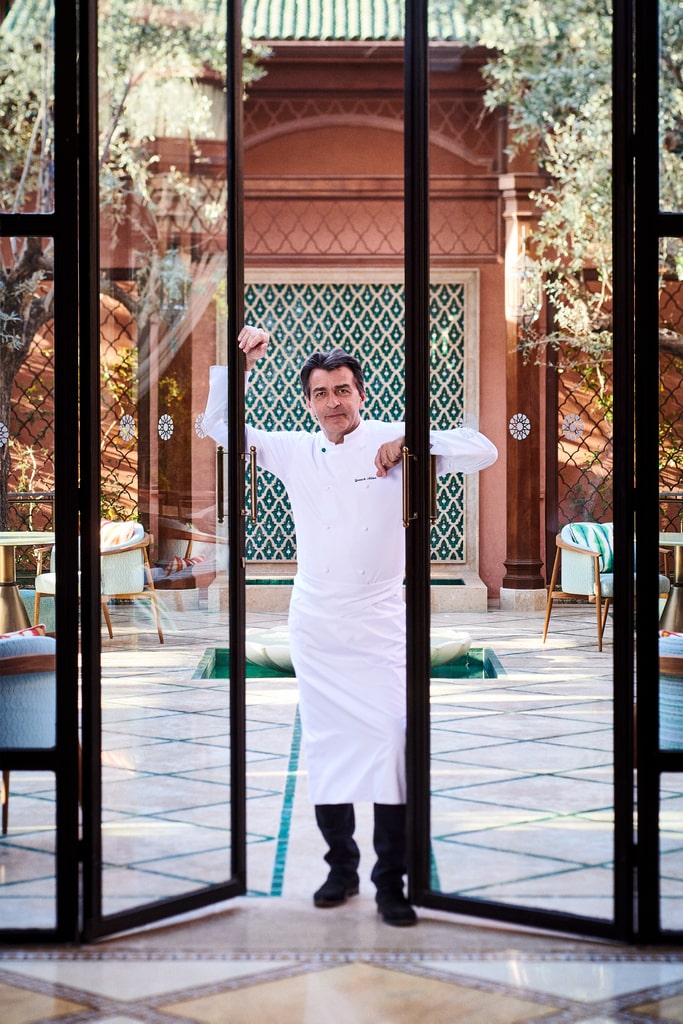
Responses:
[367,319]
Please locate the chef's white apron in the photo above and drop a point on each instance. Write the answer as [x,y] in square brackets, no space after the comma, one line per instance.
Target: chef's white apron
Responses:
[347,616]
[348,651]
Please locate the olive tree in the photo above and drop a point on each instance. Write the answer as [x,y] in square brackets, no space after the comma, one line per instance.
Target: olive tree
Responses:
[551,67]
[144,51]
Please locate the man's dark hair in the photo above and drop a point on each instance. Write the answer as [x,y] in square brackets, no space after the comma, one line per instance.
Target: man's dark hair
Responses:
[331,360]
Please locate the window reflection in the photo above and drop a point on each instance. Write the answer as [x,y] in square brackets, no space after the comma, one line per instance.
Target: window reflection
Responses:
[670,108]
[27,109]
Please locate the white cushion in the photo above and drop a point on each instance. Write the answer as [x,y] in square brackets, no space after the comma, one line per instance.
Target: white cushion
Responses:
[607,584]
[46,583]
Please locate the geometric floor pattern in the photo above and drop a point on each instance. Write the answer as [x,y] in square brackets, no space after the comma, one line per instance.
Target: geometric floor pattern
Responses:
[521,812]
[116,984]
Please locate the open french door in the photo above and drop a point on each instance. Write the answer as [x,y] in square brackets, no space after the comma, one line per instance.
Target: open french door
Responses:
[520,783]
[163,780]
[503,825]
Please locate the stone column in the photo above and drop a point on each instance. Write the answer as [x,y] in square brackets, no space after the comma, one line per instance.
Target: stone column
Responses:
[523,586]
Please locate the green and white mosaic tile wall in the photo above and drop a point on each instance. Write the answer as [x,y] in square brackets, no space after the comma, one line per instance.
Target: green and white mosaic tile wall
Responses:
[366,319]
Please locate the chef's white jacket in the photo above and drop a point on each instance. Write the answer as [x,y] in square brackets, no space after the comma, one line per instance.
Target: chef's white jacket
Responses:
[347,616]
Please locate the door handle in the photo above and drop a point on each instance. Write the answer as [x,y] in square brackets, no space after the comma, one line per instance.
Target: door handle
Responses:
[253,511]
[406,457]
[433,511]
[220,512]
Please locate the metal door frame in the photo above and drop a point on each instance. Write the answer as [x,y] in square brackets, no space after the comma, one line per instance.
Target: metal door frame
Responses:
[95,923]
[61,226]
[77,243]
[651,224]
[622,924]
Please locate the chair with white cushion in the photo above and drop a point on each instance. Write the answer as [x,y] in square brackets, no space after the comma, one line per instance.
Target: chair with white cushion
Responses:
[124,570]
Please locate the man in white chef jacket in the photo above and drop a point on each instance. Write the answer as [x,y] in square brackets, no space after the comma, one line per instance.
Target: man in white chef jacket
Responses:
[347,615]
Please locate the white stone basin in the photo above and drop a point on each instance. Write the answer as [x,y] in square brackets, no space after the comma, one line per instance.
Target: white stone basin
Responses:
[445,649]
[270,648]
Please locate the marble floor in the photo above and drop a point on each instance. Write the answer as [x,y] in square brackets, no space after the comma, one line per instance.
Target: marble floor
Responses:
[521,813]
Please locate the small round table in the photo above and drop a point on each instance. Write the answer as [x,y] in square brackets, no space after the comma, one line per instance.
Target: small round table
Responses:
[12,611]
[672,616]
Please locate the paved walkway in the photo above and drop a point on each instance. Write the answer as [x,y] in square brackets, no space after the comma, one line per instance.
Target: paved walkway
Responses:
[521,813]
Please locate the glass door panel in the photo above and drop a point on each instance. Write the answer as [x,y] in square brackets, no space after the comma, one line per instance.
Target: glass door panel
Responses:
[670,145]
[38,474]
[28,692]
[27,37]
[28,699]
[659,302]
[168,759]
[520,730]
[670,741]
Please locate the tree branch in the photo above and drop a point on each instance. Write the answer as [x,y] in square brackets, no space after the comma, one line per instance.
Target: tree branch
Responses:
[123,295]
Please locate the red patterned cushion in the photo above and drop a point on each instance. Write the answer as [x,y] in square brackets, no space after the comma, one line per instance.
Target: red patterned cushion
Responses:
[28,631]
[177,564]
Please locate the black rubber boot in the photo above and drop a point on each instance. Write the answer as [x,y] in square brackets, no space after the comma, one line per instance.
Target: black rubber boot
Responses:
[337,822]
[387,874]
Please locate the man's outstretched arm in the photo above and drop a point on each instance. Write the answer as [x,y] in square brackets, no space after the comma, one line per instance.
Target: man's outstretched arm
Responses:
[389,455]
[461,450]
[253,341]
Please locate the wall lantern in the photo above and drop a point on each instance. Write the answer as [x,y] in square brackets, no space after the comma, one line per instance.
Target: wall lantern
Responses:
[174,285]
[523,287]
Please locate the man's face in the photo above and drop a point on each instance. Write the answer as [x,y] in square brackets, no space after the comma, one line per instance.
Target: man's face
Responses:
[335,402]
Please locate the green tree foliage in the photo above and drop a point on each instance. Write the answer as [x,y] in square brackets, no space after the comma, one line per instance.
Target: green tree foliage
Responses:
[551,66]
[154,57]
